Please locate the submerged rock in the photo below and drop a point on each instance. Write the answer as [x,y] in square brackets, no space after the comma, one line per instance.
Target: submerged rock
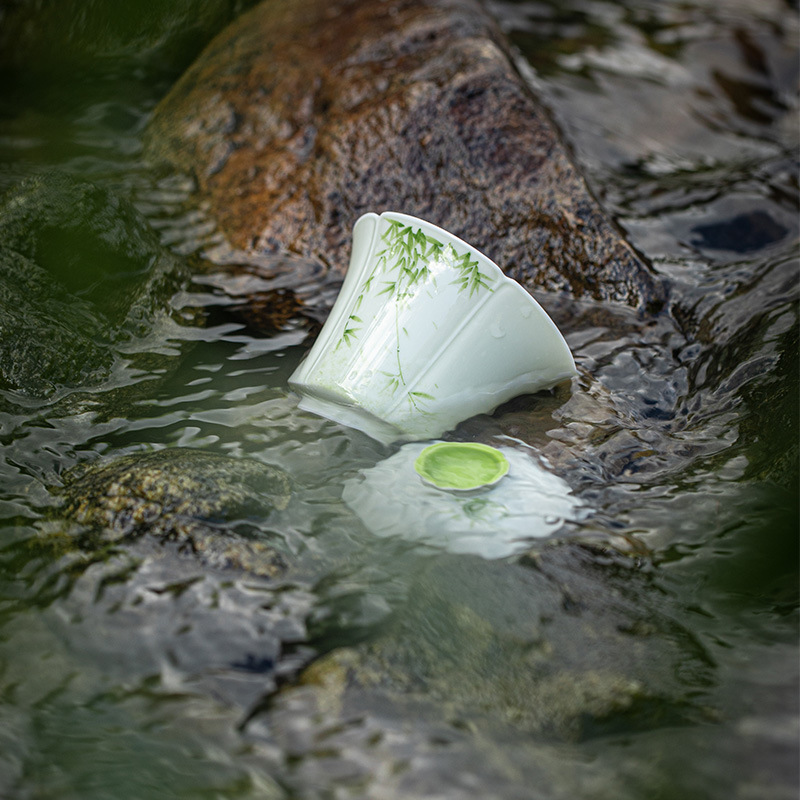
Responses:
[301,116]
[80,269]
[48,337]
[53,38]
[190,496]
[560,645]
[161,564]
[92,241]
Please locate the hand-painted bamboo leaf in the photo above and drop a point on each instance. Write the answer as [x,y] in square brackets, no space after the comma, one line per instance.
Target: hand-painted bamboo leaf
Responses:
[348,334]
[408,253]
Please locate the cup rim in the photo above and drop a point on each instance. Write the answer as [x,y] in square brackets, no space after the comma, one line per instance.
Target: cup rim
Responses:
[498,273]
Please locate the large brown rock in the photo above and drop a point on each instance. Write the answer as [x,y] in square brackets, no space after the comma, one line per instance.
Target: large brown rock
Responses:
[304,114]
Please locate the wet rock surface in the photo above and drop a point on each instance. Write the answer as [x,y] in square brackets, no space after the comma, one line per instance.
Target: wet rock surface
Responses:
[99,34]
[80,270]
[163,556]
[206,617]
[188,496]
[493,674]
[570,643]
[301,116]
[48,337]
[94,242]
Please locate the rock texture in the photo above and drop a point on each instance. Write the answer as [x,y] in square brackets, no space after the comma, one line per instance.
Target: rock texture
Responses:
[80,269]
[303,114]
[193,497]
[48,338]
[570,643]
[58,38]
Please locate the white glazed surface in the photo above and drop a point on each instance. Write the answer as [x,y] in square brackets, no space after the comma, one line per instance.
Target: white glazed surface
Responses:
[499,521]
[426,332]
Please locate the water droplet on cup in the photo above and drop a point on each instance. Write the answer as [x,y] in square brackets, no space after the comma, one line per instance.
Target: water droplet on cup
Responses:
[496,330]
[550,519]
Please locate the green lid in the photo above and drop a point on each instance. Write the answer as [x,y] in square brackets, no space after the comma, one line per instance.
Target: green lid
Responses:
[461,466]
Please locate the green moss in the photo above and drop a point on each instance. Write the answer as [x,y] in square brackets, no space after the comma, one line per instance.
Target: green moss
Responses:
[192,497]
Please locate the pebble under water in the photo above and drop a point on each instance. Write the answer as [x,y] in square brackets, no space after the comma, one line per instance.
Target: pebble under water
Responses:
[642,643]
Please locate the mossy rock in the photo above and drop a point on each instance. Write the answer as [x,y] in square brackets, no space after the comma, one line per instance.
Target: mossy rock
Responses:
[208,503]
[48,337]
[58,37]
[562,646]
[81,271]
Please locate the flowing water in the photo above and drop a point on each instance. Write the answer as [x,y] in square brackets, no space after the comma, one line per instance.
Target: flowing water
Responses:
[138,672]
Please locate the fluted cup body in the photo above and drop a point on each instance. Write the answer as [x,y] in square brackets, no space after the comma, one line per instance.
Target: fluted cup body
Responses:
[426,332]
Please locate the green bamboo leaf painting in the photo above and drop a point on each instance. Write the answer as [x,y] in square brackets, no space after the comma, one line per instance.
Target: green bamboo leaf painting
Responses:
[406,258]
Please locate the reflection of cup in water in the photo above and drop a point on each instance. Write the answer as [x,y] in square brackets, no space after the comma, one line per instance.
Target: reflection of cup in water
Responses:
[426,332]
[528,502]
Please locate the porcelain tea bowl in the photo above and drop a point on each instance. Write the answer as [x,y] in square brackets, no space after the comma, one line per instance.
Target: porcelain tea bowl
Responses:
[425,333]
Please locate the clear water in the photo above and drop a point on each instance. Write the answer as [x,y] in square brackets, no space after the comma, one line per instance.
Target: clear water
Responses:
[143,674]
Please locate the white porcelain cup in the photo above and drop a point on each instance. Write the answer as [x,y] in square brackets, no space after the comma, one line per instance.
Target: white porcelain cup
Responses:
[426,332]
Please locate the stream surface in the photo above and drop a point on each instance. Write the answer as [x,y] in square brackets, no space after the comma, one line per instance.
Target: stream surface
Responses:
[137,672]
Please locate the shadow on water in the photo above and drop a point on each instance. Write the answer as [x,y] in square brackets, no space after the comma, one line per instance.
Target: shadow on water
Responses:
[232,633]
